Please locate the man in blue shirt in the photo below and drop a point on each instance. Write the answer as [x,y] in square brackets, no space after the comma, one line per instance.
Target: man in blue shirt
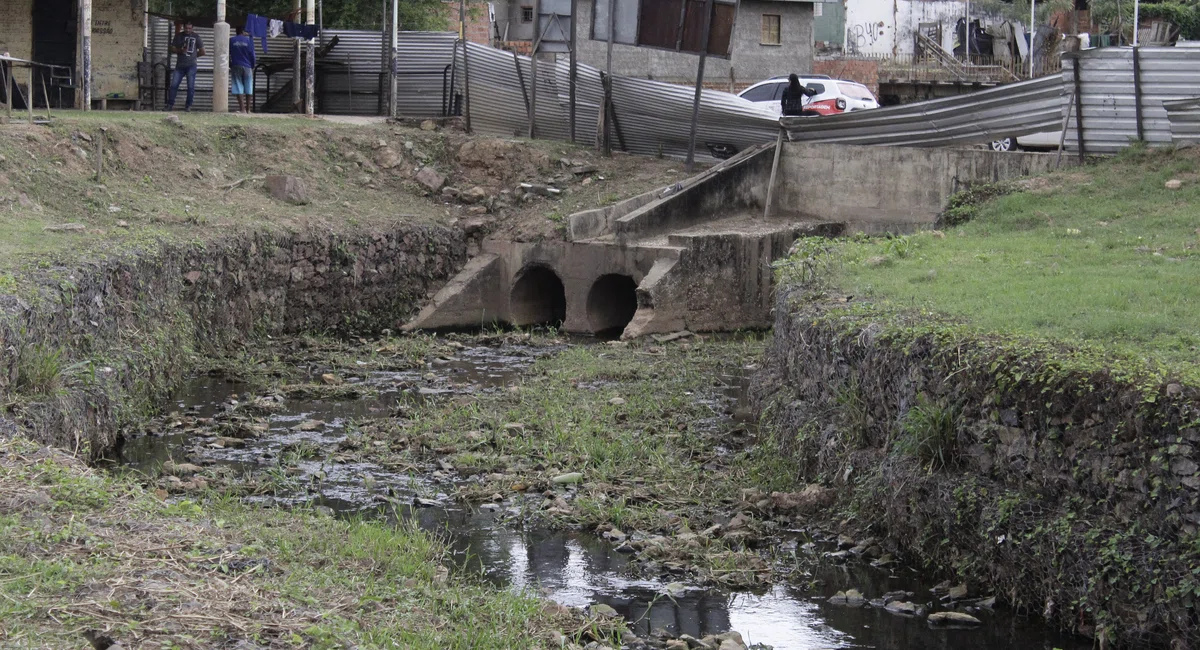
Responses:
[189,47]
[241,69]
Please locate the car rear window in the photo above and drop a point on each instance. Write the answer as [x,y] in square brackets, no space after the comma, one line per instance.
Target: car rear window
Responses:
[857,91]
[817,88]
[763,93]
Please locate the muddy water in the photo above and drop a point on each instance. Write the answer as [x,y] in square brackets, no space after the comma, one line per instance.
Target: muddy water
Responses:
[572,568]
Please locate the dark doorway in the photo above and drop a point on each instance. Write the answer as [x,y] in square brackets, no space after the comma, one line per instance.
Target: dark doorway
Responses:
[55,29]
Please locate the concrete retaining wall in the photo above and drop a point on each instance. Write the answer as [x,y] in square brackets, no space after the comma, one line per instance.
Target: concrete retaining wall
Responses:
[889,188]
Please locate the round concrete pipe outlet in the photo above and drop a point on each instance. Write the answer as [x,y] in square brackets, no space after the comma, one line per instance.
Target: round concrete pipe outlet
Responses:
[538,298]
[611,304]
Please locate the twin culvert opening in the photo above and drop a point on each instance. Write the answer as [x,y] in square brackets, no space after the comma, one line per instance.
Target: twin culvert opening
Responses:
[539,298]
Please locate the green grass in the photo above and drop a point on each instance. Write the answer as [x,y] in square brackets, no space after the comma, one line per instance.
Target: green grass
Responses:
[640,422]
[83,550]
[1104,255]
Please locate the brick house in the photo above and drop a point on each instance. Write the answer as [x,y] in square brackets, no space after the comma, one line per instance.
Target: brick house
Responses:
[771,37]
[47,31]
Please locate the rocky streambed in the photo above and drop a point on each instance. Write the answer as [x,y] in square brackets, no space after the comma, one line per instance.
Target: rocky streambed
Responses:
[626,481]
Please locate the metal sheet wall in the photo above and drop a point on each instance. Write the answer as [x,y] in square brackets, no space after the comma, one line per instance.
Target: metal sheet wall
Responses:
[1185,121]
[654,116]
[351,84]
[975,118]
[1109,108]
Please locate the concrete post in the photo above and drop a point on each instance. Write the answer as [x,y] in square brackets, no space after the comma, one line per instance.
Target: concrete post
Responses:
[220,96]
[83,94]
[310,65]
[394,59]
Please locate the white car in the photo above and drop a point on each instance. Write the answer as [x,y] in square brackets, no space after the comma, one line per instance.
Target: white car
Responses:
[1035,141]
[833,95]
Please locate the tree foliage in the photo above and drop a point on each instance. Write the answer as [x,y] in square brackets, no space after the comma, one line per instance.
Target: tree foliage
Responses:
[415,15]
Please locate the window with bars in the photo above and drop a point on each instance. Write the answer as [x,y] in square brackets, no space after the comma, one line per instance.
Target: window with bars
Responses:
[526,14]
[770,29]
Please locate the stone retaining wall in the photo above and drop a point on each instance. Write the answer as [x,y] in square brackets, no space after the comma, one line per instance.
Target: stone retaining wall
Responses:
[1070,490]
[122,331]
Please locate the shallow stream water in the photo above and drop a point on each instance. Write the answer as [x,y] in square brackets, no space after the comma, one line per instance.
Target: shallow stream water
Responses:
[572,568]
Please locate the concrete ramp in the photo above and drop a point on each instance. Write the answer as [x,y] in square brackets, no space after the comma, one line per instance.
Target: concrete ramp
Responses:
[697,255]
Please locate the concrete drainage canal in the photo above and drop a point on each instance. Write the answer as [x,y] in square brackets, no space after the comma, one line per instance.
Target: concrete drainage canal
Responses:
[297,447]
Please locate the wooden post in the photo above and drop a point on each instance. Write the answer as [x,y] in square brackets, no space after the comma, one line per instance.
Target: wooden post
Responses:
[8,80]
[1137,93]
[691,157]
[29,97]
[46,94]
[607,79]
[521,80]
[573,68]
[462,18]
[83,97]
[774,172]
[1062,135]
[533,67]
[1076,62]
[100,155]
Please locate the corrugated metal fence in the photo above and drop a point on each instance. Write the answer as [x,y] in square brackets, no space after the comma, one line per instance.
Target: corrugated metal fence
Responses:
[1015,109]
[350,77]
[1109,98]
[653,117]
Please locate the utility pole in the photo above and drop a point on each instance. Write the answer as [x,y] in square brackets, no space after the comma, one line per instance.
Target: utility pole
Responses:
[296,76]
[691,157]
[220,96]
[310,65]
[83,98]
[606,130]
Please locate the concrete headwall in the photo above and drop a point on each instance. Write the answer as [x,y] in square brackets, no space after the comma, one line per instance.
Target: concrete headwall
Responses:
[750,61]
[882,188]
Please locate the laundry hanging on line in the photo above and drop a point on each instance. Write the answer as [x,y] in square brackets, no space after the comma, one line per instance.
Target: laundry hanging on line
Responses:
[256,27]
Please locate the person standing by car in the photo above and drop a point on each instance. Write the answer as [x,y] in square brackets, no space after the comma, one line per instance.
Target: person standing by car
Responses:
[189,47]
[241,69]
[793,96]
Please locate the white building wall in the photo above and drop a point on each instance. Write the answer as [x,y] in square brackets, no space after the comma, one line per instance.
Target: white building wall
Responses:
[889,27]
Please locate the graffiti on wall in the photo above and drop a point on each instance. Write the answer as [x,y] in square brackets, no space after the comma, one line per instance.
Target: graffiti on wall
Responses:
[863,35]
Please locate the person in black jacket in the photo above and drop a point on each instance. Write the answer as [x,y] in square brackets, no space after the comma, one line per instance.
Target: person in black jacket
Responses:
[793,96]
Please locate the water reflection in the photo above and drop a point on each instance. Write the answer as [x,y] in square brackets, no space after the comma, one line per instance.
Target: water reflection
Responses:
[571,568]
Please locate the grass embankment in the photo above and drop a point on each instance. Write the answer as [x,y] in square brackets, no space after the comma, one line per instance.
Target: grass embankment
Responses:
[202,177]
[1104,256]
[83,551]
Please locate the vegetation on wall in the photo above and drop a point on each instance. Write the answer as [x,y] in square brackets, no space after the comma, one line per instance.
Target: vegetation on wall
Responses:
[1185,14]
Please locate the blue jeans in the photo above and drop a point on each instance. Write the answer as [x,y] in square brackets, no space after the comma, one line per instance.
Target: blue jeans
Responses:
[176,79]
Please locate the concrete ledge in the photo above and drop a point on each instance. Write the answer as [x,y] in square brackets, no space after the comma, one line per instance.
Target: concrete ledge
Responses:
[890,188]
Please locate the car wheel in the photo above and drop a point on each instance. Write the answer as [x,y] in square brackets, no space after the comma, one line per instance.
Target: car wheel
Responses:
[1004,144]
